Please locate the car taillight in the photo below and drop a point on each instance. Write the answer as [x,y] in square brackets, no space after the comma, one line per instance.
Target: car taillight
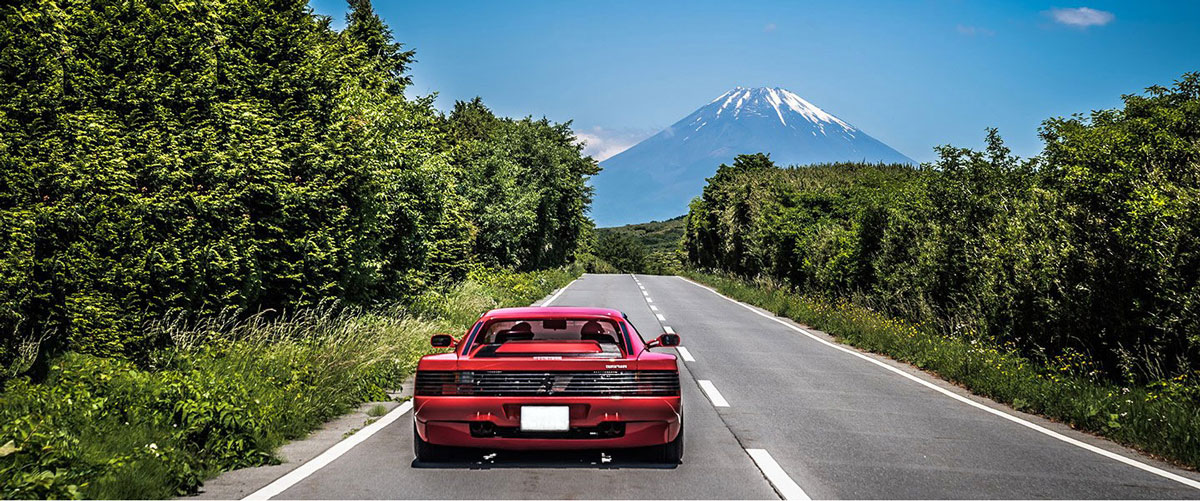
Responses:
[657,383]
[438,383]
[463,383]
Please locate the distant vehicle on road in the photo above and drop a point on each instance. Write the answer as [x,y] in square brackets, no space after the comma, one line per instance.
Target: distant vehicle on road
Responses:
[549,378]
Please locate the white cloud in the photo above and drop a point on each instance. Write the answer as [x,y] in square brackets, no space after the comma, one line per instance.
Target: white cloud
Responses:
[1081,17]
[601,143]
[973,30]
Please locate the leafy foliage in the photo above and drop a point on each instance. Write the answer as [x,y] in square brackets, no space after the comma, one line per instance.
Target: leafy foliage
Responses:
[161,158]
[1092,248]
[224,393]
[652,247]
[655,235]
[622,250]
[524,182]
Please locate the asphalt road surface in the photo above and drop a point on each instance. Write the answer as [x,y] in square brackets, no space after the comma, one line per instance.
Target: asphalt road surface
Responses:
[771,411]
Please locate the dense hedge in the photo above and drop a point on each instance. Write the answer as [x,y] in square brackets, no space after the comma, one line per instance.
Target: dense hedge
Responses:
[224,392]
[188,158]
[1091,248]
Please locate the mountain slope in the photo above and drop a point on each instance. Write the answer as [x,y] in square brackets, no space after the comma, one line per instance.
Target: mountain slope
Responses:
[657,177]
[655,235]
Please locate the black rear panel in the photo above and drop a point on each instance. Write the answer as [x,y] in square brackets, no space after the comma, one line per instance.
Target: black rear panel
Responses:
[558,384]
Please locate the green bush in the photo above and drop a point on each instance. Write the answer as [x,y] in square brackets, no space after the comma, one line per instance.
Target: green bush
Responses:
[622,250]
[1091,248]
[225,393]
[592,264]
[162,158]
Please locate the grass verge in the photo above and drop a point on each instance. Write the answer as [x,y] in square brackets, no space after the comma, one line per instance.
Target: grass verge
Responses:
[224,393]
[1161,418]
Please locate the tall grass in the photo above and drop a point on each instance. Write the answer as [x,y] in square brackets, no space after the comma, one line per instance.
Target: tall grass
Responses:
[1162,418]
[225,392]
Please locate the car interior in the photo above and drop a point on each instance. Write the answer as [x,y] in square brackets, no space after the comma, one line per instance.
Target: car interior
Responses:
[605,333]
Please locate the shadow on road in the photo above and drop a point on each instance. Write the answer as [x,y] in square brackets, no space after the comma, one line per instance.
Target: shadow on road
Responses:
[485,460]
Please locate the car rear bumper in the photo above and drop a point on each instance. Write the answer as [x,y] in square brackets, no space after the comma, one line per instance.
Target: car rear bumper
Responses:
[494,422]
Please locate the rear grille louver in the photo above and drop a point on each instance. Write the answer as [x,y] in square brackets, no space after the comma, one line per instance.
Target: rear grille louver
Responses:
[558,384]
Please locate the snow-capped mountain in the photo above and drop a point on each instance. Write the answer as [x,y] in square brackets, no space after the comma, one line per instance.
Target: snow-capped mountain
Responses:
[656,178]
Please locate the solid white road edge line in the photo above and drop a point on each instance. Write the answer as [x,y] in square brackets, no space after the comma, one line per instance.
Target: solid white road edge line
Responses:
[687,355]
[660,317]
[779,479]
[295,476]
[559,293]
[1033,426]
[712,393]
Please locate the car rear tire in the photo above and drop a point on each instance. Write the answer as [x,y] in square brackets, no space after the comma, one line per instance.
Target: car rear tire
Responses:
[427,452]
[672,452]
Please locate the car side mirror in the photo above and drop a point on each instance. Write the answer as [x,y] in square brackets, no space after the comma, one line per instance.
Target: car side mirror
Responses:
[442,341]
[666,340]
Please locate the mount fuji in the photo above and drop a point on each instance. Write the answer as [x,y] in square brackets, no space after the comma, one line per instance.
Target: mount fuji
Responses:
[656,178]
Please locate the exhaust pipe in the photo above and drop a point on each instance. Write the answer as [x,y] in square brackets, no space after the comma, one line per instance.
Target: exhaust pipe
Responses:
[483,429]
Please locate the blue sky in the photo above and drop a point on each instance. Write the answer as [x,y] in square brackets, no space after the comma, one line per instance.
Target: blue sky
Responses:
[912,74]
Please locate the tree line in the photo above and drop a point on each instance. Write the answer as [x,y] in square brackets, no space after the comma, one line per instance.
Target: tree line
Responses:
[1091,248]
[192,158]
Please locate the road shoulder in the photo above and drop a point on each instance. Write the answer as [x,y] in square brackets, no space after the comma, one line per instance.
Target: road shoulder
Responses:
[237,484]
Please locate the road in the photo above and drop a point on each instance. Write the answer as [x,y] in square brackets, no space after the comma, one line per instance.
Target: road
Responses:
[800,417]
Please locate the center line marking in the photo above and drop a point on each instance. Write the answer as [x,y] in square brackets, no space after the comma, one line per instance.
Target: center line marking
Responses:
[644,293]
[998,413]
[779,479]
[648,300]
[660,317]
[687,355]
[668,329]
[713,394]
[653,308]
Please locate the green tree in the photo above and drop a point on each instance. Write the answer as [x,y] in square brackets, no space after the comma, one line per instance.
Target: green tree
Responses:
[622,250]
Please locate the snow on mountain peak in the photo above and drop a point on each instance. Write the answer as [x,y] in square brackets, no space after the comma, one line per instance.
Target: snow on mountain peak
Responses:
[782,102]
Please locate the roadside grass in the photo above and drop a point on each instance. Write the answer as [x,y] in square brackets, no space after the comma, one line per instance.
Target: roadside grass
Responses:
[377,411]
[1161,418]
[225,392]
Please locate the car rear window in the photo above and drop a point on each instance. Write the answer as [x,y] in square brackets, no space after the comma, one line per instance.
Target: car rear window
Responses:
[606,333]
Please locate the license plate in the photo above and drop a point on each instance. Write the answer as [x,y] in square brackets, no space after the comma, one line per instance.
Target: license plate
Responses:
[545,418]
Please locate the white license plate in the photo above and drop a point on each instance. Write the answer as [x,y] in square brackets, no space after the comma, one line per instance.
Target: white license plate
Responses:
[545,418]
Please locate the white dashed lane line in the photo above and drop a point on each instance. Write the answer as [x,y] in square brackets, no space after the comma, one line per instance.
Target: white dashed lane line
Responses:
[779,479]
[996,412]
[712,393]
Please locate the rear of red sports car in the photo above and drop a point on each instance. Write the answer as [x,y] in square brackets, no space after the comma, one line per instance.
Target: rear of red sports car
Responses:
[550,378]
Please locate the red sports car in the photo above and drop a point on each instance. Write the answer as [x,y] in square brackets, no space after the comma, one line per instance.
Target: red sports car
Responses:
[549,378]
